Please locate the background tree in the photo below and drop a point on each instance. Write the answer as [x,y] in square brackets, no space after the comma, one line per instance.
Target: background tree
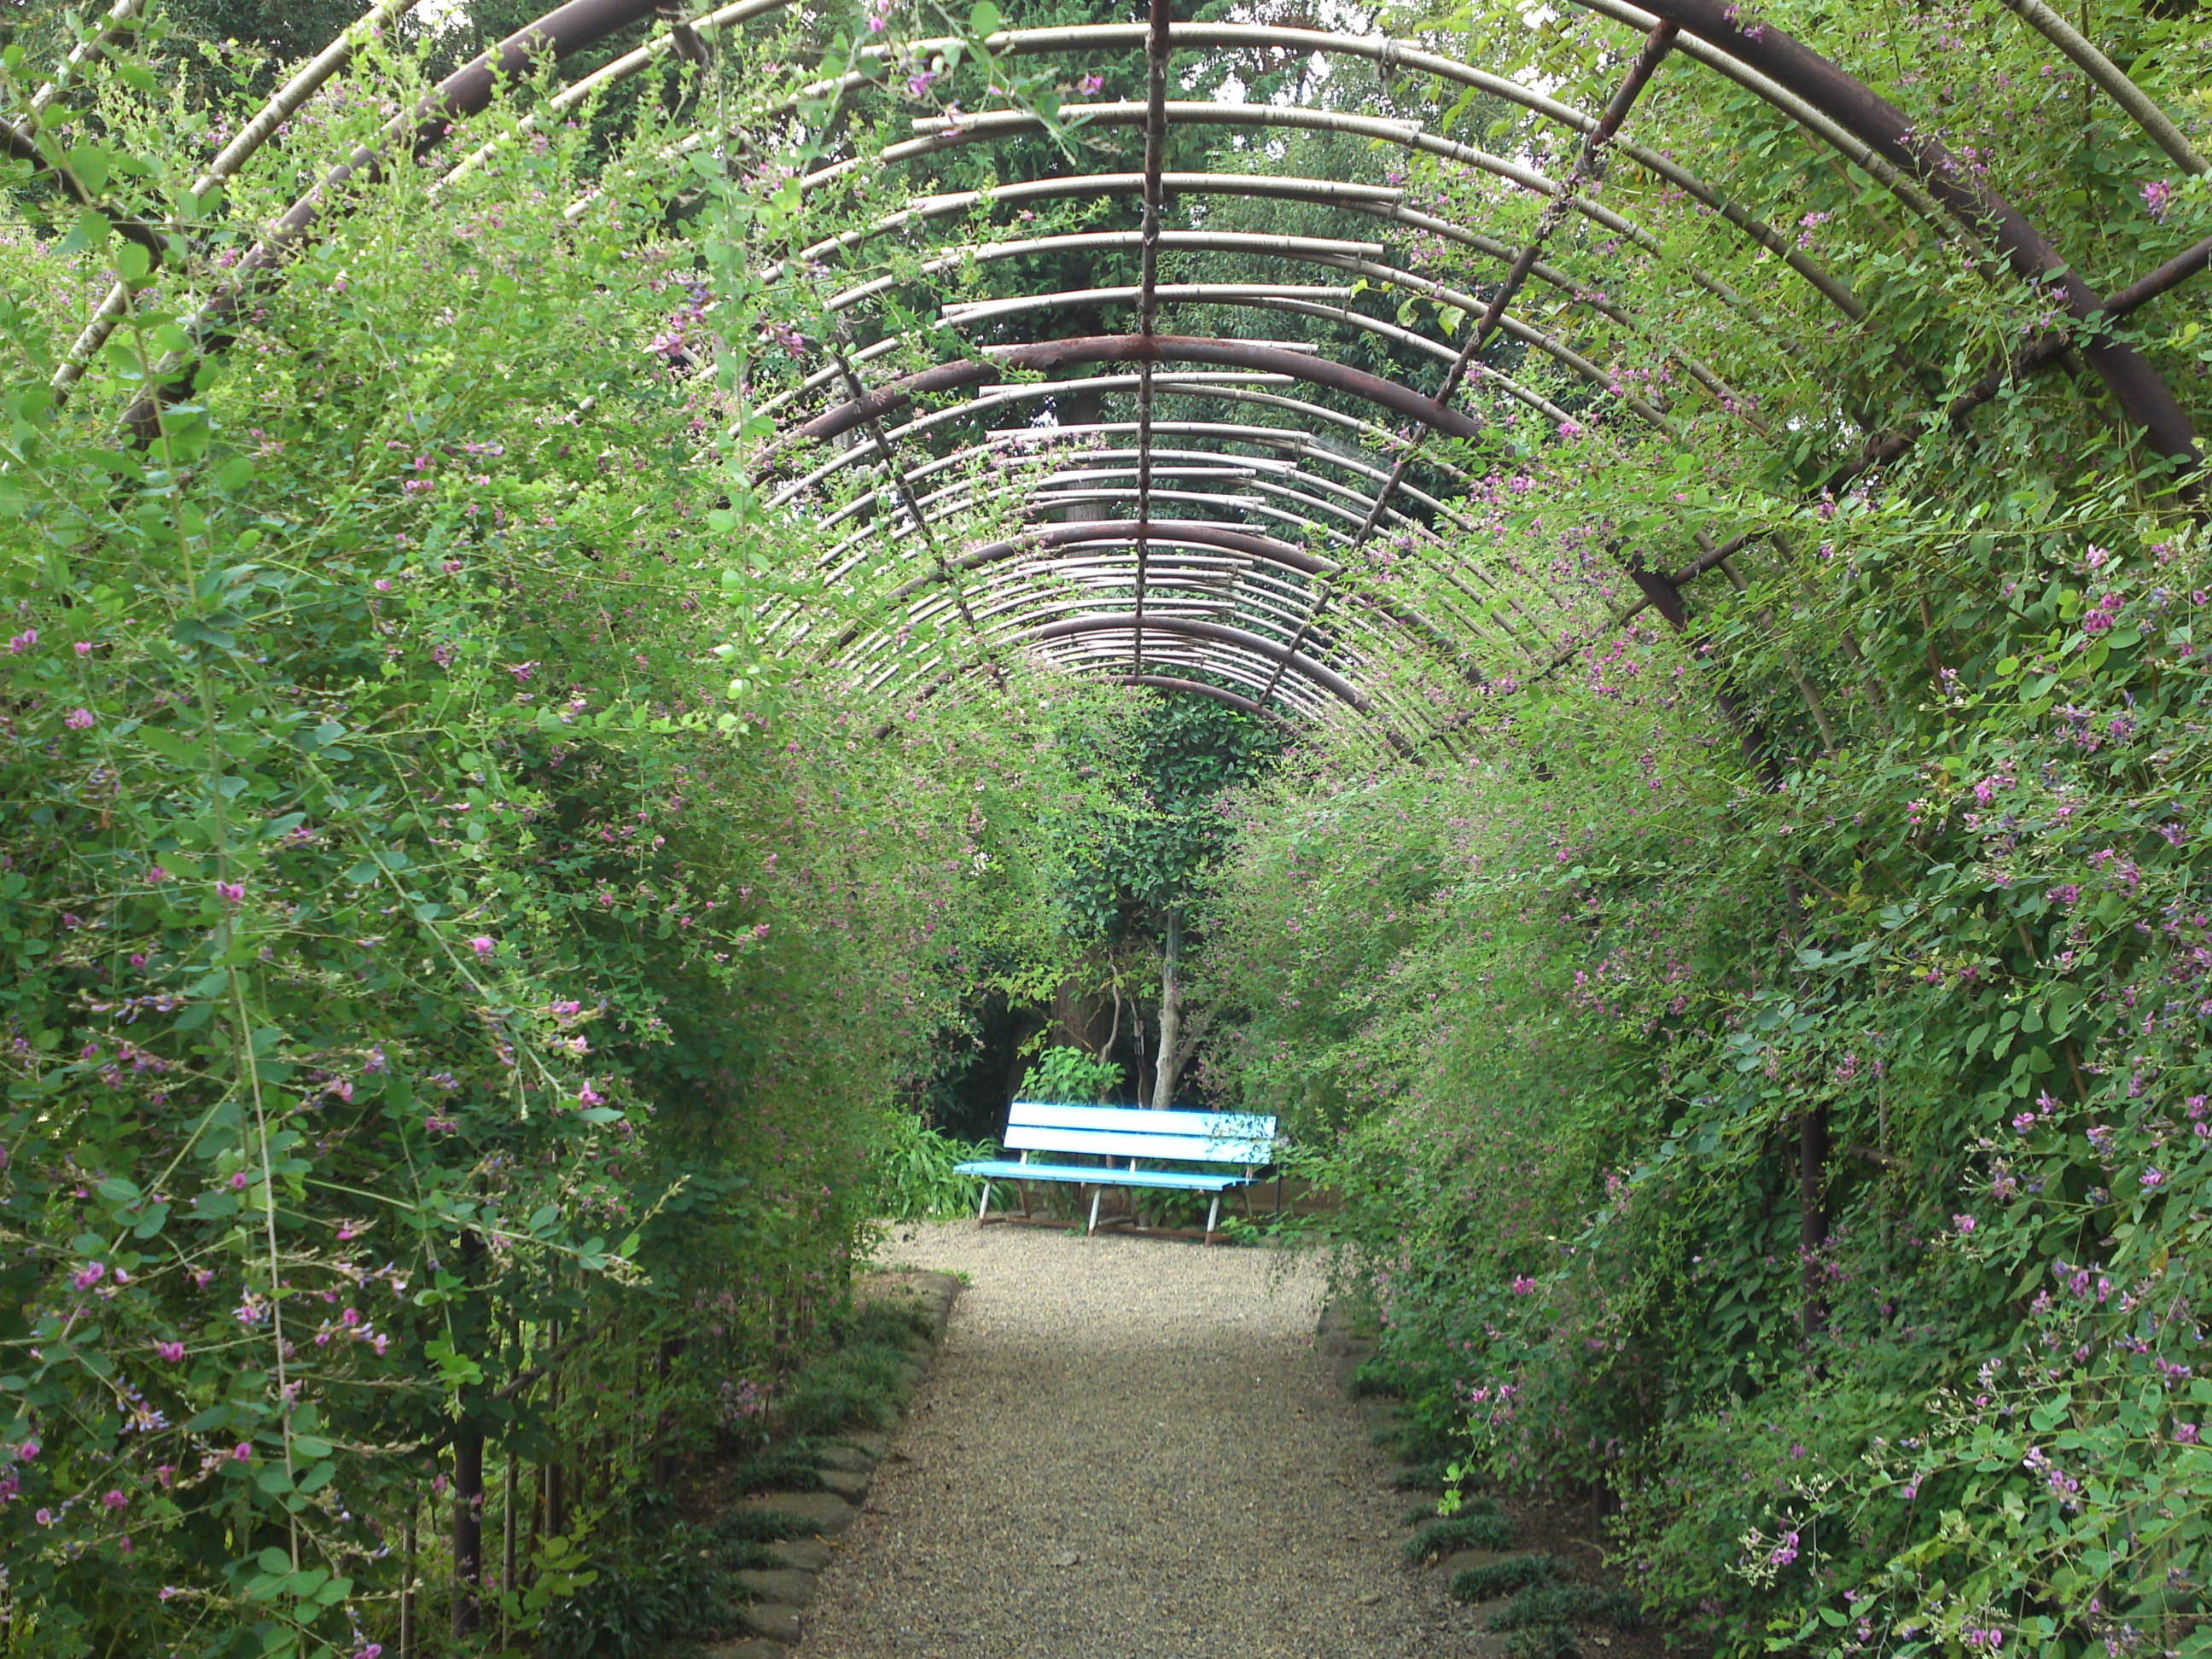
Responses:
[1134,863]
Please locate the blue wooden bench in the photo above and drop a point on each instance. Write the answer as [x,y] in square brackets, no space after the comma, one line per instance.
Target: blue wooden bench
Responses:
[1123,1139]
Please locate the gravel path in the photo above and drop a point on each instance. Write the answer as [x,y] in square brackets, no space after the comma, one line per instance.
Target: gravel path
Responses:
[1128,1448]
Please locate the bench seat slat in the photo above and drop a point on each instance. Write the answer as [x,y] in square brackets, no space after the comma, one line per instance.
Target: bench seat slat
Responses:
[1116,1142]
[1098,1176]
[1212,1126]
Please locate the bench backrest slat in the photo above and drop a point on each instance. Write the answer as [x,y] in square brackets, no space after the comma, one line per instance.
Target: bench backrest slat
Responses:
[1133,1132]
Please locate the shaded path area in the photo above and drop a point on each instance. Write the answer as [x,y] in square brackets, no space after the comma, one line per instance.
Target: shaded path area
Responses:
[1128,1448]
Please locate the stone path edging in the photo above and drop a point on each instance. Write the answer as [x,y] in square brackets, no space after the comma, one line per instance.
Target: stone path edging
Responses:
[773,1620]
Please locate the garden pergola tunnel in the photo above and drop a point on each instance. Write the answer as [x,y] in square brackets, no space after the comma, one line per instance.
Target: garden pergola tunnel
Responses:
[1706,516]
[1236,514]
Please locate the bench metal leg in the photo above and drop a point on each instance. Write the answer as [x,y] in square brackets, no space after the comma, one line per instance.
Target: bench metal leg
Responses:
[1212,1215]
[1096,1193]
[982,1208]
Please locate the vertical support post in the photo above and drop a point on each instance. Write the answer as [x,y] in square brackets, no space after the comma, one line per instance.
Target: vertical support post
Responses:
[508,1522]
[407,1583]
[1096,1193]
[1148,279]
[1212,1215]
[1812,1211]
[983,1208]
[468,1528]
[555,1484]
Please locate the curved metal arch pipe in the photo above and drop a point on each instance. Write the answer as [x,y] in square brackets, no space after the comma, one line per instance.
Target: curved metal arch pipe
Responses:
[2109,79]
[1312,300]
[1307,446]
[1077,651]
[1293,299]
[1806,114]
[1203,689]
[282,104]
[1315,251]
[2015,252]
[1244,389]
[2142,399]
[1202,384]
[1382,49]
[1008,603]
[418,130]
[1292,517]
[1835,107]
[941,134]
[1296,299]
[1190,495]
[1015,621]
[1234,664]
[1096,467]
[836,421]
[1008,609]
[1224,594]
[1851,106]
[1318,249]
[1099,497]
[683,35]
[1303,445]
[1230,663]
[1280,484]
[1296,662]
[1296,508]
[1373,201]
[1483,605]
[1133,348]
[1267,592]
[1239,392]
[1196,533]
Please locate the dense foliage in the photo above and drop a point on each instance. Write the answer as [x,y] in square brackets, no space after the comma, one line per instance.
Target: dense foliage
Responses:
[434,982]
[1766,1075]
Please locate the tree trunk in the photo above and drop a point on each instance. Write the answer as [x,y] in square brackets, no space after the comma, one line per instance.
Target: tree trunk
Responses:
[1163,1077]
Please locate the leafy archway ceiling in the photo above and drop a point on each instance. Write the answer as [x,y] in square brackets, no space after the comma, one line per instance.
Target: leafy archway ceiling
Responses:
[1156,402]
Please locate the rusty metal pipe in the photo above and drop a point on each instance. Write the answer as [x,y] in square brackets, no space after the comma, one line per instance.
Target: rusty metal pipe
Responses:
[1274,650]
[2140,390]
[1050,355]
